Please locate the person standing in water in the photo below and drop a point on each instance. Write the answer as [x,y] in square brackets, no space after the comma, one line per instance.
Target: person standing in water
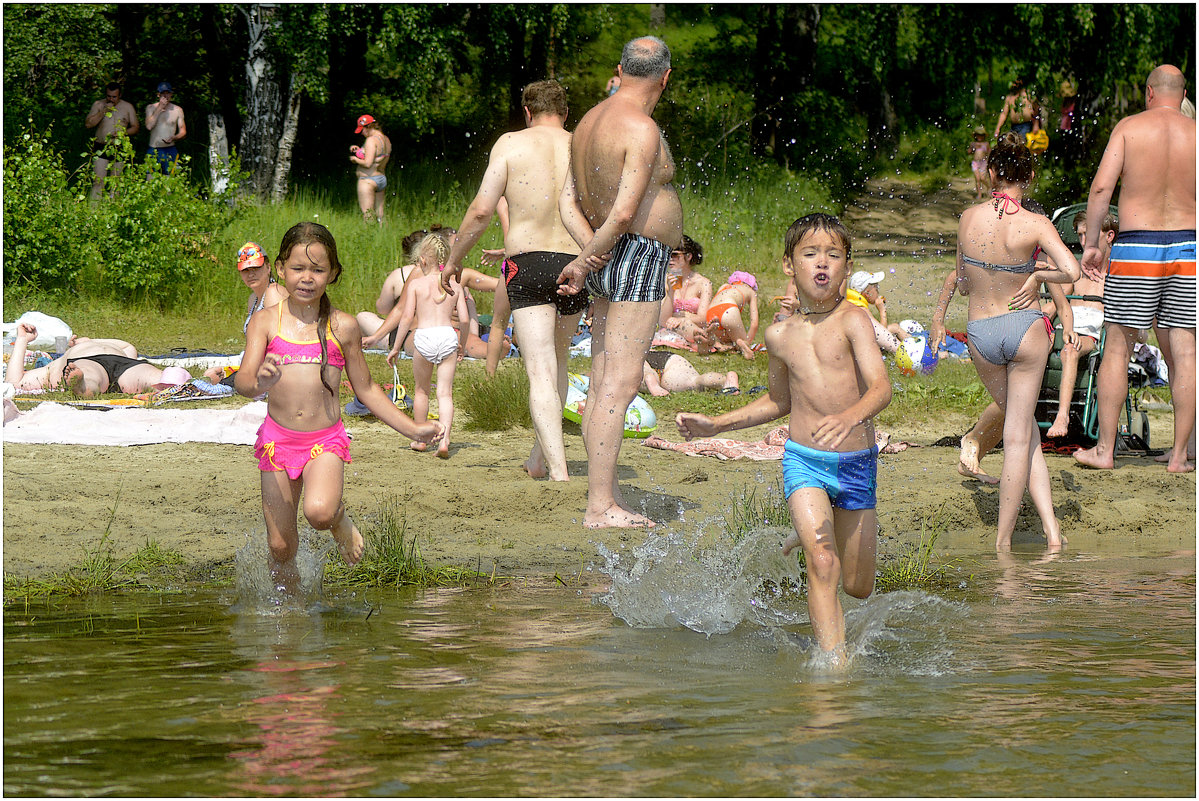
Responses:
[296,352]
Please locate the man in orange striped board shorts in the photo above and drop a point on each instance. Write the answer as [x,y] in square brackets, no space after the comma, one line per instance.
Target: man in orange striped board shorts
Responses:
[1151,276]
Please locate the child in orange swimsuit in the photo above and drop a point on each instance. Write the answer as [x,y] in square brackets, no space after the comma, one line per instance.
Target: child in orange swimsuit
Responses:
[726,329]
[297,351]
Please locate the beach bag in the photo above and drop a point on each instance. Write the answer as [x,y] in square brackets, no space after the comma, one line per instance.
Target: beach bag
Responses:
[1038,141]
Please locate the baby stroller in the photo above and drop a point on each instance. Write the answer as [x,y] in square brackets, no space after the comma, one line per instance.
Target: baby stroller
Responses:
[1083,429]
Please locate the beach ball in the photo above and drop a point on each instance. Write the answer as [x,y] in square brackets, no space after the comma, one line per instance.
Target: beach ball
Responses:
[914,356]
[640,417]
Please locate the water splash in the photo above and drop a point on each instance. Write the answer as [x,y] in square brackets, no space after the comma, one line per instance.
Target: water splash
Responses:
[259,593]
[672,580]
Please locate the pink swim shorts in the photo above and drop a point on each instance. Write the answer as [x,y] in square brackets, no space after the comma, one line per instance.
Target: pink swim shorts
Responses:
[279,448]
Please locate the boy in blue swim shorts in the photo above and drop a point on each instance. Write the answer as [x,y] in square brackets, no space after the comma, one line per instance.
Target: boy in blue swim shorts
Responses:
[827,373]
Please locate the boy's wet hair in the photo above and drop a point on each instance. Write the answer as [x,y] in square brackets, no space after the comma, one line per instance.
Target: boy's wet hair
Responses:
[1011,160]
[815,222]
[544,97]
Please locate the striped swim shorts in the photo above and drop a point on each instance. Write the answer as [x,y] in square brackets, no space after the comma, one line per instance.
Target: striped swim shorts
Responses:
[1151,276]
[636,272]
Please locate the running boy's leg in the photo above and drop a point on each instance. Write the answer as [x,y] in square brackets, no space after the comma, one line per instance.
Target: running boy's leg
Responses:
[324,478]
[812,518]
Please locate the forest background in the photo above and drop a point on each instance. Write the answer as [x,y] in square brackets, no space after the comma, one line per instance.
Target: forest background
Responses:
[772,111]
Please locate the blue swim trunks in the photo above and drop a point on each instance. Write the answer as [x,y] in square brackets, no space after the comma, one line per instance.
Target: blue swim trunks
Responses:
[850,479]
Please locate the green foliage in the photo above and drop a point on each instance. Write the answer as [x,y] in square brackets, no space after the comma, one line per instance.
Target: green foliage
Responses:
[750,512]
[953,388]
[44,248]
[392,559]
[99,571]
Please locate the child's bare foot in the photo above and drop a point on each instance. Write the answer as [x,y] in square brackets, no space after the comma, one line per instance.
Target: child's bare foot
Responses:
[419,446]
[1091,458]
[745,349]
[790,544]
[443,452]
[968,462]
[349,540]
[617,517]
[1061,424]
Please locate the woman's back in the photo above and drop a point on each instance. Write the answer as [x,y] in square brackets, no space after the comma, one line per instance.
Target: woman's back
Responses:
[996,253]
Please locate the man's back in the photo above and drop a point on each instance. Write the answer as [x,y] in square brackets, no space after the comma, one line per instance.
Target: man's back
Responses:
[538,164]
[610,134]
[1157,182]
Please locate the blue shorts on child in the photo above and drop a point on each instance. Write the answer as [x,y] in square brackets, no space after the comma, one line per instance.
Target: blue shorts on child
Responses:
[850,479]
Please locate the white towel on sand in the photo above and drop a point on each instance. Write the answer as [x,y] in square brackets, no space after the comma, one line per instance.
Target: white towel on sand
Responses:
[58,424]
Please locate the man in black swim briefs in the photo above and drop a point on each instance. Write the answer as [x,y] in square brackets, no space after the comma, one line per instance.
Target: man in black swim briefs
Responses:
[86,376]
[538,247]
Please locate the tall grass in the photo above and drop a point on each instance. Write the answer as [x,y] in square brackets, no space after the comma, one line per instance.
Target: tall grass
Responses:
[393,559]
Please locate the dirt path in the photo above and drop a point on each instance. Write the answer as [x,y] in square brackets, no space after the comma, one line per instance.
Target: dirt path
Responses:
[479,508]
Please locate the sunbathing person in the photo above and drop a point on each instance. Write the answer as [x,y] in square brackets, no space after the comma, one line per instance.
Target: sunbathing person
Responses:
[688,294]
[89,367]
[664,372]
[726,328]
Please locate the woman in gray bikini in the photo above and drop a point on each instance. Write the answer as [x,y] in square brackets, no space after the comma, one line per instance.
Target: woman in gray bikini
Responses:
[1009,337]
[370,160]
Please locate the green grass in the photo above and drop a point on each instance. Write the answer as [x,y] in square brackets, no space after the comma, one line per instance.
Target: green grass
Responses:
[914,567]
[393,559]
[494,404]
[151,567]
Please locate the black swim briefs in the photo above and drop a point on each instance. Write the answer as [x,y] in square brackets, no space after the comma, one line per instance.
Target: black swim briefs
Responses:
[532,280]
[115,366]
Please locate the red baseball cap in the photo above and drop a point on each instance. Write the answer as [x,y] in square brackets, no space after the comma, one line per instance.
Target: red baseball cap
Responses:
[250,255]
[363,121]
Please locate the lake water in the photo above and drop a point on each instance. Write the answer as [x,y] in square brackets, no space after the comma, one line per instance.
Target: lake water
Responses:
[1068,676]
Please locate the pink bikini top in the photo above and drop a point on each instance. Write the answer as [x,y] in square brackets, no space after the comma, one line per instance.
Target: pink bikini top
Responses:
[308,352]
[686,305]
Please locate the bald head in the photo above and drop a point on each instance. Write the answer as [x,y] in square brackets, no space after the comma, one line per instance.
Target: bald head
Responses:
[647,57]
[1167,81]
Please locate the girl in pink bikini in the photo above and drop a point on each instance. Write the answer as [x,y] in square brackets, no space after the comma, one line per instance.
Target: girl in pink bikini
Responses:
[296,352]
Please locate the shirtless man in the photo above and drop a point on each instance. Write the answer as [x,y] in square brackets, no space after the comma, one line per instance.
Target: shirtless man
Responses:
[1018,110]
[528,170]
[108,116]
[164,120]
[88,367]
[1152,269]
[620,203]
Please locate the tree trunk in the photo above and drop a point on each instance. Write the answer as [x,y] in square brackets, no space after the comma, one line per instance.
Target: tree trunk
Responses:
[784,65]
[291,126]
[218,154]
[657,16]
[260,134]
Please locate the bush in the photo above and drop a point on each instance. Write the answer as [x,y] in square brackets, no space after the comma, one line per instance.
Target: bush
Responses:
[155,235]
[43,248]
[151,241]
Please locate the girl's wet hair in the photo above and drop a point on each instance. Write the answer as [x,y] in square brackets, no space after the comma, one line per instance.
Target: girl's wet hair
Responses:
[1011,160]
[304,234]
[692,249]
[815,222]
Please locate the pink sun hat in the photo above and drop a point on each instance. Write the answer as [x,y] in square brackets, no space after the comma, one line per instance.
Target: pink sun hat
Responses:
[173,377]
[742,277]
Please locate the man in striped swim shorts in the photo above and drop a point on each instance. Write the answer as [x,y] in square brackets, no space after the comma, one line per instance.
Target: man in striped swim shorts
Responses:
[1150,279]
[621,207]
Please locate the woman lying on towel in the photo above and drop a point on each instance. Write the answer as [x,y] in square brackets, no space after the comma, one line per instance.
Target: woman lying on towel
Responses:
[89,367]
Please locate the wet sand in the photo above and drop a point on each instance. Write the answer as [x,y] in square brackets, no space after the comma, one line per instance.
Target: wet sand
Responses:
[479,509]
